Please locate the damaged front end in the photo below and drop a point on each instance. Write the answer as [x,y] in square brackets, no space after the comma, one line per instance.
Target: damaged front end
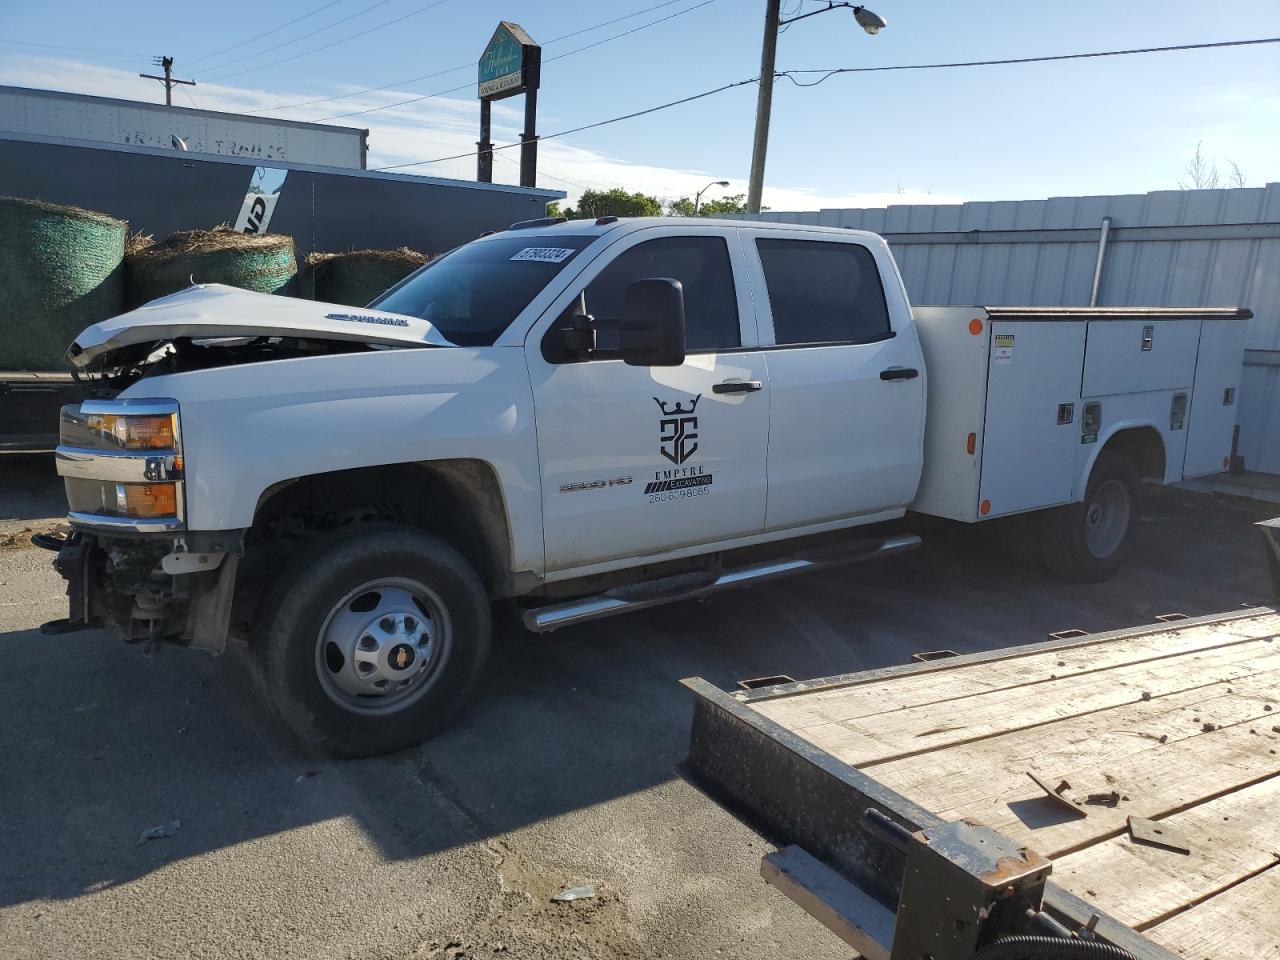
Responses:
[130,563]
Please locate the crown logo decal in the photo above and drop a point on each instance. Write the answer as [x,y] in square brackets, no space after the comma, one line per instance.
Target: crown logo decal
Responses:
[677,408]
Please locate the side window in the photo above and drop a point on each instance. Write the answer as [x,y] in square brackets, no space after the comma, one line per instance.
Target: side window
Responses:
[701,264]
[823,292]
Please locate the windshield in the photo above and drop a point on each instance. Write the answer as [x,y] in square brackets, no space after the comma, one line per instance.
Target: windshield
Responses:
[472,293]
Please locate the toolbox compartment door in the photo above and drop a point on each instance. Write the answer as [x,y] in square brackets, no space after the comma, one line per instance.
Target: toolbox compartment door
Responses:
[1139,356]
[1211,419]
[1028,455]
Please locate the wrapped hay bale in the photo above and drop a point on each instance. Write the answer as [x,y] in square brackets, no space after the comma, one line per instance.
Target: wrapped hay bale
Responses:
[261,262]
[355,278]
[60,271]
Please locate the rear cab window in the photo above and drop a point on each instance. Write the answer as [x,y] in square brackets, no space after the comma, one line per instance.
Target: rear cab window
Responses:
[823,292]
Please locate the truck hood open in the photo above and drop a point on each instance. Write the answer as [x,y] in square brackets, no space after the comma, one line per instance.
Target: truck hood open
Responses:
[214,310]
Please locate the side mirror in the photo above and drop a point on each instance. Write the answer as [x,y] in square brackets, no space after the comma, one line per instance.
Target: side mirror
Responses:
[652,329]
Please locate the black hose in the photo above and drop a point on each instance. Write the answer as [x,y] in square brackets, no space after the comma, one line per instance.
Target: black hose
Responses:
[1027,947]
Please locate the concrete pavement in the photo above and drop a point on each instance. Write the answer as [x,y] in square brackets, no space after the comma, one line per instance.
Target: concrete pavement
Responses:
[560,772]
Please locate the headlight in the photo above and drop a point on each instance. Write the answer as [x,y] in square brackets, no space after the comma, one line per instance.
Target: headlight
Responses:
[135,431]
[122,463]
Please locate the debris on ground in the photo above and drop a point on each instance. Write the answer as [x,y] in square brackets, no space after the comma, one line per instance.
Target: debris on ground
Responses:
[584,892]
[159,832]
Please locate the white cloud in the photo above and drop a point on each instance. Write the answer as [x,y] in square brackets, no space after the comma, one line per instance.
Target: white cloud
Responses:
[433,127]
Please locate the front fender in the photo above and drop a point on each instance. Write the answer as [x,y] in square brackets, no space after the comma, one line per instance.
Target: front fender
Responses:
[248,428]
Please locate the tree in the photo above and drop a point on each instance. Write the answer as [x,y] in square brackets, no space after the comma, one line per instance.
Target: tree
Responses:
[709,208]
[609,203]
[1202,174]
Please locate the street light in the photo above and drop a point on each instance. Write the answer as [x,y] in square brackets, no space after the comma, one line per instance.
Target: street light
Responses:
[697,199]
[871,22]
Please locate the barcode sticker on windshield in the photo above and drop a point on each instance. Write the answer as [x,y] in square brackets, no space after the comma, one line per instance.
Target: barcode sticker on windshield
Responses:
[545,254]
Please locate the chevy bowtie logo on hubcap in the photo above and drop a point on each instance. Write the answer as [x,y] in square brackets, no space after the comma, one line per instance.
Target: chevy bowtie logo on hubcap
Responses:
[402,656]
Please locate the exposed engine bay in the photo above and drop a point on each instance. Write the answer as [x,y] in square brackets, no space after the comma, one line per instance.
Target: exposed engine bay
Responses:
[114,370]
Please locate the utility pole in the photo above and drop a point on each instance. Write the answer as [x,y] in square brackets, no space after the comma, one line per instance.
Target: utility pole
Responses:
[872,23]
[764,103]
[167,79]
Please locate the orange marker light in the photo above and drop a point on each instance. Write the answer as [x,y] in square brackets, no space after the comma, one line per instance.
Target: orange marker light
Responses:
[985,507]
[971,444]
[975,326]
[151,499]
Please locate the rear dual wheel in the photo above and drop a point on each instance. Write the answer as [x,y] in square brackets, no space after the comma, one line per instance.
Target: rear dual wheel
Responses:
[1090,540]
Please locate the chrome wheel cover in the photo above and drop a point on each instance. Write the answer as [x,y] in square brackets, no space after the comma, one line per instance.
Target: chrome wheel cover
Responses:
[382,646]
[1106,518]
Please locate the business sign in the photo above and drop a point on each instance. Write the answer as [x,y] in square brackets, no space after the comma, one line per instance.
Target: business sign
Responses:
[509,64]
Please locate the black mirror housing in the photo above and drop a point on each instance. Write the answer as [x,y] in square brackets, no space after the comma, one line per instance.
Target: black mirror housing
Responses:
[652,329]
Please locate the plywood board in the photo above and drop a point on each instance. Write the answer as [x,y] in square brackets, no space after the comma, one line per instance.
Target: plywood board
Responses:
[1241,923]
[917,730]
[874,698]
[1231,838]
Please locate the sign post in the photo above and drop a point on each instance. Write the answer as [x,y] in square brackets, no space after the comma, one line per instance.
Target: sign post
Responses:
[511,64]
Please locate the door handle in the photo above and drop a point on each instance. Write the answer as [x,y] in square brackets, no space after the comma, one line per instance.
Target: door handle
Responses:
[738,386]
[899,373]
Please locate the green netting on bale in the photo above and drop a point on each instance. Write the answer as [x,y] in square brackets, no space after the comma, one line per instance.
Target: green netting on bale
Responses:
[262,262]
[355,278]
[60,271]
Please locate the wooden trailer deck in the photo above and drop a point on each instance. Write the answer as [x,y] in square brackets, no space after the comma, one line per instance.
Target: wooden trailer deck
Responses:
[1177,723]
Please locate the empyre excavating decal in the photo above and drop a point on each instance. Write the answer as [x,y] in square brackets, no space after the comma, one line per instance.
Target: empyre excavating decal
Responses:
[678,441]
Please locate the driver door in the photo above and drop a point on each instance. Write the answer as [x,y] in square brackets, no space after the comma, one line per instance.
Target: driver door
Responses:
[637,462]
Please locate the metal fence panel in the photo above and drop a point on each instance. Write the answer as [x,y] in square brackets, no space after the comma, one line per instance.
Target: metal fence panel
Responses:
[1205,248]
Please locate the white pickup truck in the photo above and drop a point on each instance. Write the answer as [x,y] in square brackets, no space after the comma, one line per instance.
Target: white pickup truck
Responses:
[589,418]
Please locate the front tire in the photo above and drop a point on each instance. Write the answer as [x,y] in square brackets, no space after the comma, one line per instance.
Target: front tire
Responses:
[370,644]
[1089,541]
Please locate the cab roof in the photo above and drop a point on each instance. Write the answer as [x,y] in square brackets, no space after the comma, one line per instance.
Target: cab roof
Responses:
[603,225]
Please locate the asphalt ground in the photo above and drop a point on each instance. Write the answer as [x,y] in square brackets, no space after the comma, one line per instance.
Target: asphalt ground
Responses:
[559,773]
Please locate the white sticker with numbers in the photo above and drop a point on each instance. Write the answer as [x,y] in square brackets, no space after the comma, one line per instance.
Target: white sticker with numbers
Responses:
[545,254]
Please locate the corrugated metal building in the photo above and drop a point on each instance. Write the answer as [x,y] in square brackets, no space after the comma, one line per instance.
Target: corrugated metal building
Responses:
[1167,248]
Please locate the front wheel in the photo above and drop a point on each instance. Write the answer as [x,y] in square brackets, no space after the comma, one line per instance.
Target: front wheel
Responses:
[371,644]
[1089,541]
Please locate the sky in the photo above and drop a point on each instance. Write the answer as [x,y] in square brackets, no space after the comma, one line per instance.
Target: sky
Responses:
[1109,125]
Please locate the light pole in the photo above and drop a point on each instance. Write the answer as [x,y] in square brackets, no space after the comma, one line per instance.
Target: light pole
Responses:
[871,22]
[697,199]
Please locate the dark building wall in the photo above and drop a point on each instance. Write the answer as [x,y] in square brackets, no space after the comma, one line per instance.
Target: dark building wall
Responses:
[161,192]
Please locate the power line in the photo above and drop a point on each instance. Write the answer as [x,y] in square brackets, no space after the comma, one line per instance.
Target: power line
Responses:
[92,53]
[464,66]
[328,26]
[267,33]
[587,126]
[546,60]
[543,173]
[354,36]
[833,72]
[988,63]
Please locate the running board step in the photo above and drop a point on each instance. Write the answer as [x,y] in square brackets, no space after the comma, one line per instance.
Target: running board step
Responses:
[690,586]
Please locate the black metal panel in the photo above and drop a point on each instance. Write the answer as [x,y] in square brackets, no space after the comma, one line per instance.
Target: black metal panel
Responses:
[794,793]
[160,192]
